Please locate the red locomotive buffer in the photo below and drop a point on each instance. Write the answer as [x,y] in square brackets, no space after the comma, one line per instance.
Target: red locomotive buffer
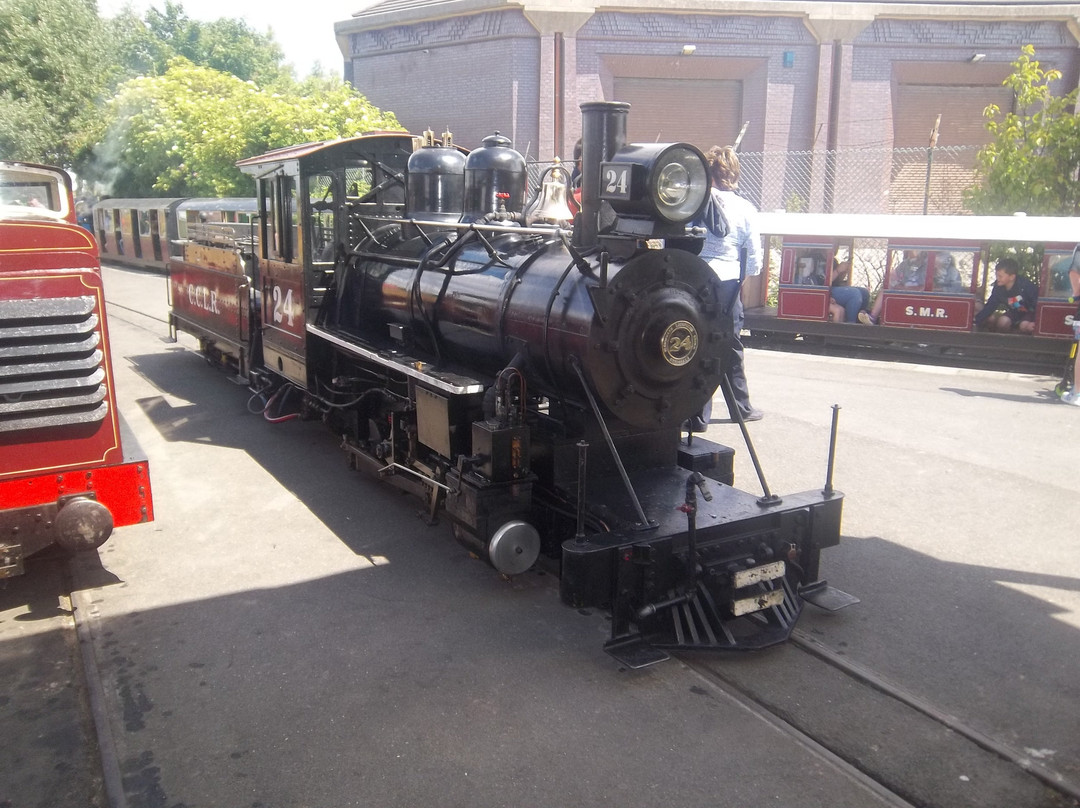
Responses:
[69,472]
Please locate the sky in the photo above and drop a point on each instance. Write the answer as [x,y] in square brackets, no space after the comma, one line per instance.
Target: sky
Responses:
[305,31]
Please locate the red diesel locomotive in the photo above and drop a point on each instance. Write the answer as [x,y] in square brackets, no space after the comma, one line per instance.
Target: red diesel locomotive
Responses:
[69,471]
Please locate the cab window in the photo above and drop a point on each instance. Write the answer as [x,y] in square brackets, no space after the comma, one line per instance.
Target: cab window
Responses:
[277,206]
[322,238]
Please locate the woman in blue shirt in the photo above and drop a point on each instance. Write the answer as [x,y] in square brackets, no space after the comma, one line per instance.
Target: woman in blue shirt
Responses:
[733,255]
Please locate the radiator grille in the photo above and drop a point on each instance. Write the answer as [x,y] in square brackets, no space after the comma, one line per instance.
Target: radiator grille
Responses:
[52,369]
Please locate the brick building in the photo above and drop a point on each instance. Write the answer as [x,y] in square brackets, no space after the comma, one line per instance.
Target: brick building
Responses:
[801,76]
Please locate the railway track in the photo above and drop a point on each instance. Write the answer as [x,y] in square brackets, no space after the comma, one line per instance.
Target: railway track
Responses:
[998,352]
[902,747]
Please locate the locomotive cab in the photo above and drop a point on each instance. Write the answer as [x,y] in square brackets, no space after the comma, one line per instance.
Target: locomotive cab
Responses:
[314,202]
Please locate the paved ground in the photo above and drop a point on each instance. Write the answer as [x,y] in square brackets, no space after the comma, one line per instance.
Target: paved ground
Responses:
[287,634]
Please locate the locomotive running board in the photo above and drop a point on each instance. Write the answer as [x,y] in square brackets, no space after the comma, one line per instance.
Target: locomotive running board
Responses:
[447,381]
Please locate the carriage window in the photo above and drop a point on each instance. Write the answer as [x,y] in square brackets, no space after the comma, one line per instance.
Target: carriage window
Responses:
[144,223]
[291,216]
[322,237]
[41,194]
[118,231]
[358,182]
[907,269]
[1057,280]
[811,267]
[357,189]
[105,225]
[952,271]
[266,222]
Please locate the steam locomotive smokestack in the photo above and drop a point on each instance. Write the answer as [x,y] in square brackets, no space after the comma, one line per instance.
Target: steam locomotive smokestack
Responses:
[603,132]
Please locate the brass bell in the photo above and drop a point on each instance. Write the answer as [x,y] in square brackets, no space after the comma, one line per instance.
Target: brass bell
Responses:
[552,207]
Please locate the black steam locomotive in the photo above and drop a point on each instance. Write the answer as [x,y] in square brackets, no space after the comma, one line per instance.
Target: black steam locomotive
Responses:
[524,370]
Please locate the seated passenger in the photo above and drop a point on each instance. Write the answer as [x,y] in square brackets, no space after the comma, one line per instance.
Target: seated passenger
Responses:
[946,275]
[850,300]
[1059,274]
[810,269]
[1015,296]
[910,273]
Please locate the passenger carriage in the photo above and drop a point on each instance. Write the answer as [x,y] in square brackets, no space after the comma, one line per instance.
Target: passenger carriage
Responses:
[136,232]
[954,269]
[148,233]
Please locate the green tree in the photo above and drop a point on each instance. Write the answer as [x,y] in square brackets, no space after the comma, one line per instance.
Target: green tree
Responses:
[54,69]
[181,133]
[145,46]
[234,47]
[136,48]
[1033,162]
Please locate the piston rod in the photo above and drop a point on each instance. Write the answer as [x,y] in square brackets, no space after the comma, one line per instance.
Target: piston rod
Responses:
[643,520]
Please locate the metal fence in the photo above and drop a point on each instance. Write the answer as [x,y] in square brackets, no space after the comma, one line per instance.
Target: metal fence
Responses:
[897,181]
[901,181]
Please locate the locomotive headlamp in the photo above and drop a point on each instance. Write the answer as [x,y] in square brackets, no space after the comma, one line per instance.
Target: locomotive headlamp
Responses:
[666,182]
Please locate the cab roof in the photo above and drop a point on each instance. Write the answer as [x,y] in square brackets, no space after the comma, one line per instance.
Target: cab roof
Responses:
[288,154]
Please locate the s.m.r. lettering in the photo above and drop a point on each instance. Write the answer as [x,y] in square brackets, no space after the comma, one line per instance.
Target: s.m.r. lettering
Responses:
[925,311]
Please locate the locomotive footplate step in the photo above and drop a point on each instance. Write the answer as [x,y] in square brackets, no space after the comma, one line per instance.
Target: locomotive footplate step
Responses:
[826,597]
[635,653]
[662,490]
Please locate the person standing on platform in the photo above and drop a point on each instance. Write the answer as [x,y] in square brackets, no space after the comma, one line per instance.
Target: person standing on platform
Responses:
[733,250]
[1072,396]
[1069,388]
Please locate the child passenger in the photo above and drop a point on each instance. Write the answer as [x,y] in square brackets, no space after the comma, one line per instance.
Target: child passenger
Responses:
[1015,296]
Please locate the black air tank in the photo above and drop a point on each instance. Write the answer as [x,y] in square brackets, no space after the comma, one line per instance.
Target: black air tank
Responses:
[436,184]
[495,179]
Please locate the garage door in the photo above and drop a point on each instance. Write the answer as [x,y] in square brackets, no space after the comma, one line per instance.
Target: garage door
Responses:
[699,111]
[961,110]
